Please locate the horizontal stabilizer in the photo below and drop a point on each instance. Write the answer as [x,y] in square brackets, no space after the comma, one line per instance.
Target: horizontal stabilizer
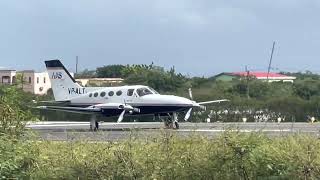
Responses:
[54,102]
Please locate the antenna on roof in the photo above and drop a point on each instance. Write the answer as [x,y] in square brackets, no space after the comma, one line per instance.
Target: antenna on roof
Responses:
[270,62]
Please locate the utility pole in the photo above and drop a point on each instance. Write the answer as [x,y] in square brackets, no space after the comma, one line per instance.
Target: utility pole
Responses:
[248,88]
[22,80]
[77,60]
[270,62]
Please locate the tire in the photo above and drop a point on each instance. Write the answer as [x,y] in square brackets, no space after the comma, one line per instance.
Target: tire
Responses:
[176,124]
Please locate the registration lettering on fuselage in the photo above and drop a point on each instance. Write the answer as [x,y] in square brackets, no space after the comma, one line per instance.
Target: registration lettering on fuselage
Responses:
[77,91]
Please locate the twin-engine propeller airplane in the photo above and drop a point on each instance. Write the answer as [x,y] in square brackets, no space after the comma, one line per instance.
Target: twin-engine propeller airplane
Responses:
[115,101]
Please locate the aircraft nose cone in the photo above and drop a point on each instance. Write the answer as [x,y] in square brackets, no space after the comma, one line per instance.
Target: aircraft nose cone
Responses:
[170,100]
[181,101]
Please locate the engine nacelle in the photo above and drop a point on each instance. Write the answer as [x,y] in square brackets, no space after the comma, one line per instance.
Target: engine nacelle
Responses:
[117,106]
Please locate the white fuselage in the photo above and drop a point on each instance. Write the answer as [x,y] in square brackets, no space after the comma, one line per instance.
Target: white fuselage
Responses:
[110,101]
[142,97]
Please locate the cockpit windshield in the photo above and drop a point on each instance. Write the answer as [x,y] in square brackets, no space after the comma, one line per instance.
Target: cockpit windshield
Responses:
[154,91]
[144,91]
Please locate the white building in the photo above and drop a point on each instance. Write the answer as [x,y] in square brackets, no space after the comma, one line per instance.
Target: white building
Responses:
[263,76]
[39,83]
[33,82]
[7,76]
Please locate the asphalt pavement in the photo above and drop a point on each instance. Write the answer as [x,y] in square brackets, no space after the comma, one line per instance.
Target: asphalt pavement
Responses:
[67,131]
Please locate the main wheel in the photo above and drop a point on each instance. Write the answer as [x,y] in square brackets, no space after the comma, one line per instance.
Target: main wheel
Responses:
[97,125]
[176,125]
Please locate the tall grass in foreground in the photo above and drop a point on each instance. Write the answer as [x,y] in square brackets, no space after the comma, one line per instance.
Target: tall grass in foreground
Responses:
[229,156]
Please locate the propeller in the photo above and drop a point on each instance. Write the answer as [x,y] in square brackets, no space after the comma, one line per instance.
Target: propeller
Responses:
[199,104]
[126,107]
[190,94]
[188,114]
[121,116]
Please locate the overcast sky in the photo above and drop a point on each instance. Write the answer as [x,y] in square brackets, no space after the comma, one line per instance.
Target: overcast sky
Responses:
[199,37]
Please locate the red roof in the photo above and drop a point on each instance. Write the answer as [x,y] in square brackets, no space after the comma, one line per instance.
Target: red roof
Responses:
[260,74]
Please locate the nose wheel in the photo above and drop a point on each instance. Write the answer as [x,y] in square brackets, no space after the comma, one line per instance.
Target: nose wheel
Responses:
[171,121]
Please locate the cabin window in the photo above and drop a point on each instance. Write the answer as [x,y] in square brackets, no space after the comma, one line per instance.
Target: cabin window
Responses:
[119,93]
[96,94]
[103,94]
[130,92]
[90,95]
[111,93]
[143,91]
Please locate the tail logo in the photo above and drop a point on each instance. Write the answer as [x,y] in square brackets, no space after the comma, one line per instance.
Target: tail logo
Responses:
[56,75]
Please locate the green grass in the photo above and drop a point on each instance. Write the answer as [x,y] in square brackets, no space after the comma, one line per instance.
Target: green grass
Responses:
[230,156]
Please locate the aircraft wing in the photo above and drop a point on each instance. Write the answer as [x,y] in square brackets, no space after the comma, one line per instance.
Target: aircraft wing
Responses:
[211,102]
[98,108]
[86,110]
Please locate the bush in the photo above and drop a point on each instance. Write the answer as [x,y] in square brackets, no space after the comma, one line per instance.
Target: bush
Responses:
[14,111]
[17,157]
[232,155]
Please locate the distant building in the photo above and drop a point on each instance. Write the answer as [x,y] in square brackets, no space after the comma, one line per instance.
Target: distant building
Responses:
[7,77]
[100,81]
[272,77]
[31,81]
[39,82]
[34,82]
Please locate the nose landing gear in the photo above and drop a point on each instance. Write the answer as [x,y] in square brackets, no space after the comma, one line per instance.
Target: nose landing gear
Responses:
[170,121]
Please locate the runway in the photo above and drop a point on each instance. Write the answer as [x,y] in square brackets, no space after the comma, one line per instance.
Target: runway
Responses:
[66,131]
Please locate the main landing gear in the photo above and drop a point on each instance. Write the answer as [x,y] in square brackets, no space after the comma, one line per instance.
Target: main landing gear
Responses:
[171,121]
[94,124]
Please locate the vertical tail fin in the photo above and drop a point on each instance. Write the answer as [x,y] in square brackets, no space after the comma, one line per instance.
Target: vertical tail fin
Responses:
[62,83]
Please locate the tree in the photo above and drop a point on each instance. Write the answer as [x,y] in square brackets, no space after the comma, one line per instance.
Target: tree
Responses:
[110,71]
[86,74]
[307,89]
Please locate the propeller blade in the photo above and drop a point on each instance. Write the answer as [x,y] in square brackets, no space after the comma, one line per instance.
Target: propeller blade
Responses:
[216,101]
[121,116]
[190,94]
[188,114]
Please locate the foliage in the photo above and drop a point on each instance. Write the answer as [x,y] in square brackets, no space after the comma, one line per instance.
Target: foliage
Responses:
[14,111]
[86,74]
[232,155]
[154,76]
[17,157]
[110,71]
[16,154]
